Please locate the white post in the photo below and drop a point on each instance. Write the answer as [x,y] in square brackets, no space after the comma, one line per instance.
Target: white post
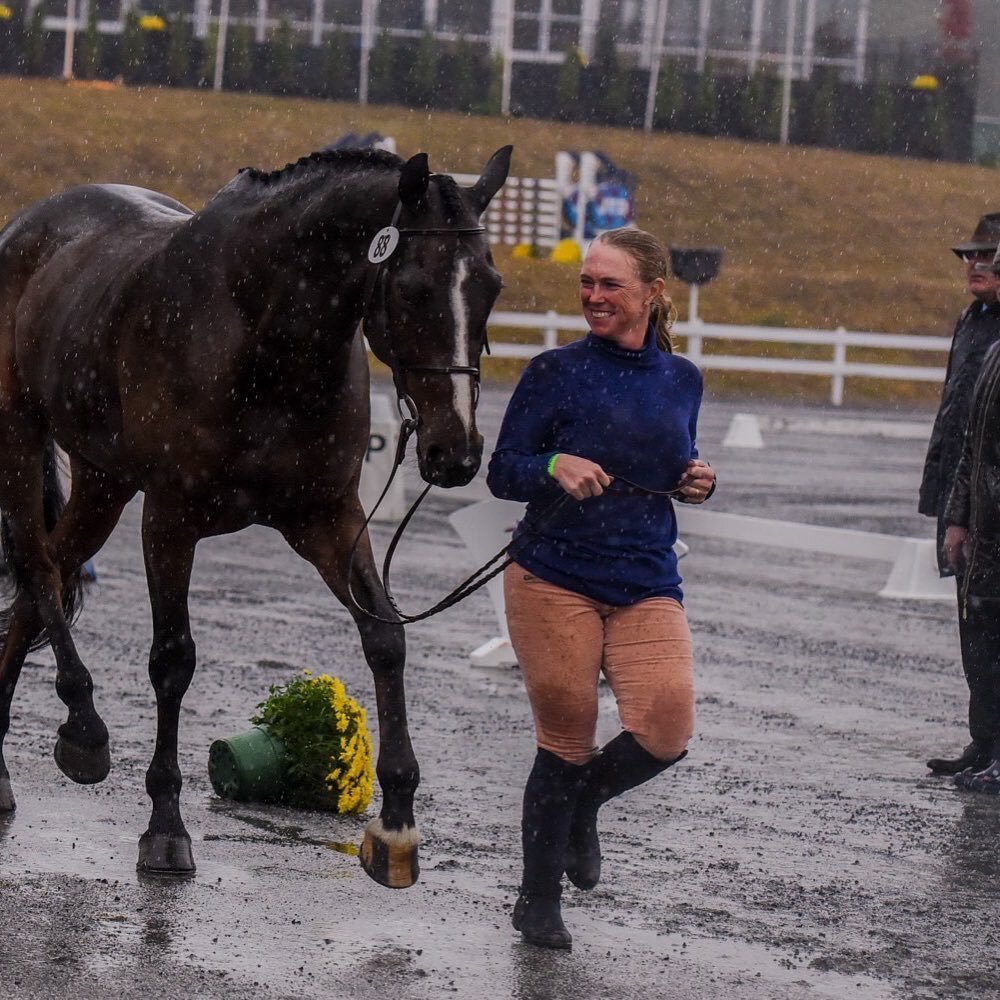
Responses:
[431,14]
[367,33]
[704,17]
[70,39]
[839,361]
[220,43]
[550,335]
[585,188]
[317,23]
[808,39]
[656,59]
[693,316]
[261,21]
[202,10]
[508,59]
[590,15]
[861,41]
[786,90]
[756,30]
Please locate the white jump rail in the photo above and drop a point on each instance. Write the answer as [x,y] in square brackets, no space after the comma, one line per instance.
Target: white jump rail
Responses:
[486,527]
[837,369]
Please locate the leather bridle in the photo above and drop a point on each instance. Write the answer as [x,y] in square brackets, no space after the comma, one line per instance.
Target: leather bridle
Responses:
[374,305]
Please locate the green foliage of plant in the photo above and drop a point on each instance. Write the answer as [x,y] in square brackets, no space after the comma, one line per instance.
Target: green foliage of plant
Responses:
[381,68]
[823,107]
[611,76]
[211,41]
[34,41]
[883,124]
[179,51]
[493,102]
[935,124]
[283,57]
[424,79]
[325,736]
[133,41]
[239,61]
[707,99]
[753,106]
[465,76]
[337,76]
[91,46]
[669,96]
[568,84]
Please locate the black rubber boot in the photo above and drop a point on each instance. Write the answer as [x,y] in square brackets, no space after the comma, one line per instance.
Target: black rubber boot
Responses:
[974,757]
[549,797]
[622,764]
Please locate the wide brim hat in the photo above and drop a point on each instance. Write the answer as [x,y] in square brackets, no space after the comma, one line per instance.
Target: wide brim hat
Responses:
[986,235]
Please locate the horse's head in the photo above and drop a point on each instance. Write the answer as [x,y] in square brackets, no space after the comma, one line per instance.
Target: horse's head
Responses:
[432,286]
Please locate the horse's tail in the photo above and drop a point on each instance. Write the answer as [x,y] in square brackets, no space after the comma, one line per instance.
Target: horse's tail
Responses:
[53,504]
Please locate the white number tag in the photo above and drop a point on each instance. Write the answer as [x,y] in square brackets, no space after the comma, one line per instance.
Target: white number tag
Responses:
[383,244]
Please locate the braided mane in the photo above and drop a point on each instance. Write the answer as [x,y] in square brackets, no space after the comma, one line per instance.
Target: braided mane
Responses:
[348,158]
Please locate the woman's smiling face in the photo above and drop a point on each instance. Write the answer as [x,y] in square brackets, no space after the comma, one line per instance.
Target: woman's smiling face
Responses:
[615,300]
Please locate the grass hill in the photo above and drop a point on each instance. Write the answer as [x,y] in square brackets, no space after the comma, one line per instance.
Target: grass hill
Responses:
[812,238]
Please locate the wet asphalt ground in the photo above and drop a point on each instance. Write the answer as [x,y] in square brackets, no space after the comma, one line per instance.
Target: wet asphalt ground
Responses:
[800,851]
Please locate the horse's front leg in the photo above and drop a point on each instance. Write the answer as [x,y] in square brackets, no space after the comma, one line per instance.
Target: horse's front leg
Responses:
[168,549]
[389,849]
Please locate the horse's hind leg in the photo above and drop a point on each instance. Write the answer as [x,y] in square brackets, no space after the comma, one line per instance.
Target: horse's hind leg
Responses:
[95,506]
[389,849]
[168,547]
[38,602]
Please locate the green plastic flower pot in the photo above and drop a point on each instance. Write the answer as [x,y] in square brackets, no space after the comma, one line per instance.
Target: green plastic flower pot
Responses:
[248,767]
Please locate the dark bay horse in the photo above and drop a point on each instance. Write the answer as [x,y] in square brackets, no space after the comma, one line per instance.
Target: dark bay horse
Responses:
[215,361]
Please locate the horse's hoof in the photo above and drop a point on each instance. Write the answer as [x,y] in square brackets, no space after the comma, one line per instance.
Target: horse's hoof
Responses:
[7,803]
[390,856]
[84,765]
[165,854]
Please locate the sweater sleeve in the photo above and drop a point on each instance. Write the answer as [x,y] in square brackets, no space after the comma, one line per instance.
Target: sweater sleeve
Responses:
[518,468]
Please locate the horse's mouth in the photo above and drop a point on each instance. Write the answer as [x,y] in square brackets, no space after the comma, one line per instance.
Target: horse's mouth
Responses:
[441,468]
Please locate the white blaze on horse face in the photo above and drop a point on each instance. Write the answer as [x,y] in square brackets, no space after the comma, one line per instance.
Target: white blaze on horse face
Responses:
[461,385]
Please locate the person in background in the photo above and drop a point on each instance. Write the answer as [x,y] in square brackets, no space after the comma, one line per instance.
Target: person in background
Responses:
[977,329]
[972,548]
[599,439]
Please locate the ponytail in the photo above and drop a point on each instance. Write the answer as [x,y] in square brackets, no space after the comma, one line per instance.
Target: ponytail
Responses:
[663,315]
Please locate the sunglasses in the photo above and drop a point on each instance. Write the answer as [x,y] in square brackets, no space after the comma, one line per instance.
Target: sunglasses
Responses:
[976,256]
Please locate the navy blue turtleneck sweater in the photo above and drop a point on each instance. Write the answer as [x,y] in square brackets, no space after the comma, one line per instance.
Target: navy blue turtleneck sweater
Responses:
[635,413]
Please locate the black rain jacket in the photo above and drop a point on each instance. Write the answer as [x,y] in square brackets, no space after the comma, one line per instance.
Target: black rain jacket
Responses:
[978,328]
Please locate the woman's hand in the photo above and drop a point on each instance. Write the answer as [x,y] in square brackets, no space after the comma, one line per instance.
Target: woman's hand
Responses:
[956,540]
[579,477]
[697,481]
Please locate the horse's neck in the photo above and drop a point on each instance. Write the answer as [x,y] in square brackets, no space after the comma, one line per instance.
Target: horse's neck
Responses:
[300,244]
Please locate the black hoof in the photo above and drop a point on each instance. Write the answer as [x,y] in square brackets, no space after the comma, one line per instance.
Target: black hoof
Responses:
[7,803]
[84,765]
[165,854]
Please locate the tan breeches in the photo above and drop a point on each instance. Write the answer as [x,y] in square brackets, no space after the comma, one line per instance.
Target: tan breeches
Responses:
[564,641]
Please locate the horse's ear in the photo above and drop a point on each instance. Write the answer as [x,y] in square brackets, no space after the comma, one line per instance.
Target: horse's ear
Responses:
[494,174]
[414,179]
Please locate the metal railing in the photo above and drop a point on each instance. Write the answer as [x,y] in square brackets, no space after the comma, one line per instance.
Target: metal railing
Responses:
[695,334]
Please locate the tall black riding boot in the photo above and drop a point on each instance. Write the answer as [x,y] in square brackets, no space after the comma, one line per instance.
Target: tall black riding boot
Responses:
[621,764]
[549,797]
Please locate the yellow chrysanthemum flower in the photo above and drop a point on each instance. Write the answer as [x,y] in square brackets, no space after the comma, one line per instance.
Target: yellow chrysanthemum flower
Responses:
[325,734]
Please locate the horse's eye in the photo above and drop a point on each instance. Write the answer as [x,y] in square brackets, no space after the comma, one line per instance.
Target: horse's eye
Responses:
[414,291]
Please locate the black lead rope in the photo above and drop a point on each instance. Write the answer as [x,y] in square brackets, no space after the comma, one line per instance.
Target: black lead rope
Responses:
[484,573]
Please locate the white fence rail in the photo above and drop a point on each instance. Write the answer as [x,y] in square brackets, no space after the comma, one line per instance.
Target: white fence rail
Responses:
[837,368]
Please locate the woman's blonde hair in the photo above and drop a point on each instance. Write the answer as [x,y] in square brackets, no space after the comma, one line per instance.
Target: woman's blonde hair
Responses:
[650,257]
